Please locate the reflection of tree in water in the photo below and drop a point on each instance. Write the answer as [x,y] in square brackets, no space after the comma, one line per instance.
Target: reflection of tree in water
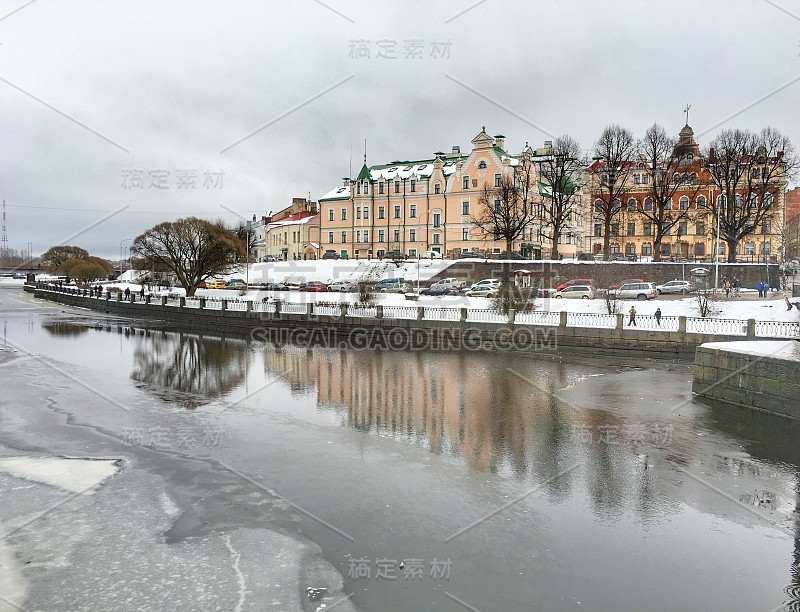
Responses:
[63,328]
[187,369]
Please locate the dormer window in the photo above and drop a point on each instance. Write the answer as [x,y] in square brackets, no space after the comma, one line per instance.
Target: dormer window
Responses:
[437,188]
[482,165]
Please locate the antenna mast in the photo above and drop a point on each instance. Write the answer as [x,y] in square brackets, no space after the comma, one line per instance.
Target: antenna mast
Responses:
[4,245]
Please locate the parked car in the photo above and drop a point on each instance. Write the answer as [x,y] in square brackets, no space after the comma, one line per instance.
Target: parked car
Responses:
[236,283]
[201,285]
[314,286]
[627,280]
[576,281]
[330,254]
[585,257]
[674,286]
[215,284]
[388,282]
[576,291]
[482,291]
[394,256]
[618,257]
[399,287]
[270,258]
[431,255]
[514,256]
[638,291]
[438,291]
[342,286]
[271,287]
[471,255]
[490,282]
[451,283]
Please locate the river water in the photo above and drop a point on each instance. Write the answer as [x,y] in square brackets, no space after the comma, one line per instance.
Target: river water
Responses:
[390,480]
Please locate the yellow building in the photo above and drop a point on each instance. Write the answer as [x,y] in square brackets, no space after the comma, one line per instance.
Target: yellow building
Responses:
[428,205]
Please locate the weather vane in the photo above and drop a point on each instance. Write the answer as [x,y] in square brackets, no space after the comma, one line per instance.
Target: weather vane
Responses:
[686,110]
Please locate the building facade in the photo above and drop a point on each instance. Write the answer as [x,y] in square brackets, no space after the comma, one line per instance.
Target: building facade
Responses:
[429,205]
[692,233]
[290,234]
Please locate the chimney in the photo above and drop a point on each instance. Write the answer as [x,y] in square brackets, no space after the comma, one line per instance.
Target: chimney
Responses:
[456,150]
[346,181]
[254,218]
[548,143]
[500,141]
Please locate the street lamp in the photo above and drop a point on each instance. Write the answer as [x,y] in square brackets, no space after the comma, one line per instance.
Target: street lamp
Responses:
[122,253]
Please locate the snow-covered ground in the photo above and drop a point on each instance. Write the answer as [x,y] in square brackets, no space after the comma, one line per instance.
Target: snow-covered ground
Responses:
[780,349]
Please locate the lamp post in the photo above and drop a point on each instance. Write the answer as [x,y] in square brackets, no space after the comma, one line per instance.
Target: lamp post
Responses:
[122,253]
[720,200]
[247,254]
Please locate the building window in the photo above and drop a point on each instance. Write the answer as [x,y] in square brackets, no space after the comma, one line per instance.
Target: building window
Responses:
[765,248]
[683,203]
[366,212]
[344,237]
[366,235]
[344,214]
[497,206]
[482,165]
[330,215]
[396,212]
[616,205]
[380,187]
[631,229]
[569,238]
[647,228]
[615,229]
[749,249]
[436,238]
[465,183]
[397,186]
[701,202]
[648,204]
[665,248]
[644,179]
[598,206]
[380,235]
[437,188]
[598,229]
[766,226]
[358,188]
[632,203]
[412,252]
[397,235]
[413,185]
[699,249]
[465,207]
[358,212]
[412,235]
[437,219]
[381,212]
[683,228]
[358,235]
[647,249]
[666,228]
[412,211]
[465,233]
[366,188]
[700,228]
[630,248]
[330,237]
[637,179]
[496,180]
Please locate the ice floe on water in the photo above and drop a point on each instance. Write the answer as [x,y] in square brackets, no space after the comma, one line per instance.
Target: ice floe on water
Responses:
[70,474]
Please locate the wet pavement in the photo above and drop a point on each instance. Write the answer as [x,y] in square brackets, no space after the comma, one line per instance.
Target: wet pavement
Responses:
[260,477]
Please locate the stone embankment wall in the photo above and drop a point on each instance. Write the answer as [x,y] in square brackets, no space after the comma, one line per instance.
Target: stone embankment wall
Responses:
[758,382]
[411,333]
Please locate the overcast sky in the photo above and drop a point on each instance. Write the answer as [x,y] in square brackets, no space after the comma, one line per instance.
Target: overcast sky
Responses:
[91,91]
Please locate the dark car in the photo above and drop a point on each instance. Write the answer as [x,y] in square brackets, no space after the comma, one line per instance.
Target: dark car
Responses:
[395,256]
[200,285]
[438,291]
[236,283]
[272,287]
[388,282]
[471,255]
[314,286]
[585,257]
[330,254]
[514,256]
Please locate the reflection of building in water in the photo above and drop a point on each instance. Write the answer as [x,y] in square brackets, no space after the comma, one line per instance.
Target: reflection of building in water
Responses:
[188,369]
[294,364]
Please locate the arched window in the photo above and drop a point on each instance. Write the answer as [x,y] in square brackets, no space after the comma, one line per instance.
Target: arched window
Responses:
[693,178]
[767,200]
[739,201]
[632,204]
[615,204]
[721,200]
[701,202]
[648,204]
[482,164]
[683,203]
[598,206]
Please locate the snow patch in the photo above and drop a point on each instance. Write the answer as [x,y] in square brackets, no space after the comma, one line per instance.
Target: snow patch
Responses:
[75,475]
[780,349]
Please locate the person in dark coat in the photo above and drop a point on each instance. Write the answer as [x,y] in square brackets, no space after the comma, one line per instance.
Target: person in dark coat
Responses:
[632,315]
[657,315]
[127,293]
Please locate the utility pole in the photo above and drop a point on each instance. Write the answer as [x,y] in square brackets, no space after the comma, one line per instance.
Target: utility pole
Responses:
[4,244]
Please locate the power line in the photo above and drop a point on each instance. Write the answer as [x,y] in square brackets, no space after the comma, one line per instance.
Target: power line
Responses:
[128,212]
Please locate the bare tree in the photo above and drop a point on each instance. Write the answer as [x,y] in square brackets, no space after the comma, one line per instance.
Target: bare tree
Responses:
[750,171]
[193,249]
[559,173]
[669,169]
[506,211]
[613,151]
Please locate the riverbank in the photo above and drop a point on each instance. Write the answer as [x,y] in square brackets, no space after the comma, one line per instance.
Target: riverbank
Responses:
[431,327]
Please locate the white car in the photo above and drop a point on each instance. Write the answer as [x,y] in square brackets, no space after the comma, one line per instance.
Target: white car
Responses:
[576,291]
[634,291]
[342,286]
[674,286]
[451,283]
[482,291]
[431,255]
[489,282]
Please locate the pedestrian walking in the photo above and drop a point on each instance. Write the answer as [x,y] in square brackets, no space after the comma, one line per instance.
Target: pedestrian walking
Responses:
[727,288]
[760,289]
[657,315]
[736,286]
[141,292]
[632,315]
[127,294]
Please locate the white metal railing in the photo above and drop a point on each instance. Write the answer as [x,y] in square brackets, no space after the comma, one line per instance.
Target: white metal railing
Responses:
[214,304]
[362,311]
[439,313]
[331,310]
[777,329]
[728,327]
[264,307]
[192,302]
[668,324]
[294,308]
[589,319]
[238,306]
[400,312]
[486,315]
[538,317]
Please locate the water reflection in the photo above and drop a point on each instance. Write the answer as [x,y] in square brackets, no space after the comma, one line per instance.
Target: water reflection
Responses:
[64,328]
[188,369]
